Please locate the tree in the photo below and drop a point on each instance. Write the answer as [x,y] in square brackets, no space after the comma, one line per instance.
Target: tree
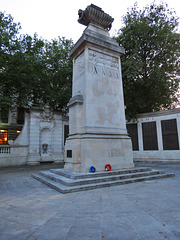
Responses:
[33,71]
[59,68]
[23,72]
[150,64]
[8,44]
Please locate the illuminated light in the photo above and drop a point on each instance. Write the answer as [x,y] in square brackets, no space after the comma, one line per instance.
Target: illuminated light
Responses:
[5,139]
[18,131]
[2,130]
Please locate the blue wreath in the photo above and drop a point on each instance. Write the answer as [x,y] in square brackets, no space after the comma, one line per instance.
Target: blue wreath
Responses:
[92,169]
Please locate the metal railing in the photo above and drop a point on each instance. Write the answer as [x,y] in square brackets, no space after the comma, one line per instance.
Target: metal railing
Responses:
[4,149]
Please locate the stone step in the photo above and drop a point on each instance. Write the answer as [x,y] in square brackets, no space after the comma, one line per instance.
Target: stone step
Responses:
[103,178]
[74,175]
[61,183]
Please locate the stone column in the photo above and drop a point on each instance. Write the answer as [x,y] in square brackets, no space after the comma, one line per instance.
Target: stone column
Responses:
[178,127]
[159,135]
[140,136]
[98,132]
[34,121]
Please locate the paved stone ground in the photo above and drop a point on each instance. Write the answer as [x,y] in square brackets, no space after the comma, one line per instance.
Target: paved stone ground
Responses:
[146,210]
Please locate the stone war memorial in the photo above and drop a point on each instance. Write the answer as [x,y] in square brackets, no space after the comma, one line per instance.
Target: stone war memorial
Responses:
[97,125]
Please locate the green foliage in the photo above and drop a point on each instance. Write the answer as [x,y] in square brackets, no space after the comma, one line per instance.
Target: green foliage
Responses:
[8,44]
[150,64]
[59,73]
[33,71]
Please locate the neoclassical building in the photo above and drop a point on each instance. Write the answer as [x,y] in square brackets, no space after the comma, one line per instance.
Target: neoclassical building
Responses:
[40,139]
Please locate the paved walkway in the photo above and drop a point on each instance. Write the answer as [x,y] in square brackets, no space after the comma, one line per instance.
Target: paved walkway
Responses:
[33,211]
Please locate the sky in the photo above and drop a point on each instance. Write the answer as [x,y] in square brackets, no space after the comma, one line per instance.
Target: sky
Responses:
[53,18]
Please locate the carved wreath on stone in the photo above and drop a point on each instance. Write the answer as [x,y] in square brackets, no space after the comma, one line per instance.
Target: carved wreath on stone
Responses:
[47,114]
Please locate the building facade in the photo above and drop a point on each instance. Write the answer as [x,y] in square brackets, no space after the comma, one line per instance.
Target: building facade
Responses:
[11,124]
[156,136]
[41,139]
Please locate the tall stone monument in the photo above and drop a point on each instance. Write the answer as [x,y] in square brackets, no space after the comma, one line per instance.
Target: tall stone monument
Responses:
[97,134]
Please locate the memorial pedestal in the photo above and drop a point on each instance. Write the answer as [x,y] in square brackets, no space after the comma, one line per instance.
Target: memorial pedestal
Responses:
[98,150]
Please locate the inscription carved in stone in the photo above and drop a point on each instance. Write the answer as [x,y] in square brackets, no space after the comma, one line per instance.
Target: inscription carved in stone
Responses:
[103,65]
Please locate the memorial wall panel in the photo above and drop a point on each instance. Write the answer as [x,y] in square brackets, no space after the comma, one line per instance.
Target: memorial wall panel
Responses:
[133,133]
[170,134]
[149,136]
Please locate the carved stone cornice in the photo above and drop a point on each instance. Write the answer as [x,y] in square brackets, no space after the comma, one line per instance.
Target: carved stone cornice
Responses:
[91,35]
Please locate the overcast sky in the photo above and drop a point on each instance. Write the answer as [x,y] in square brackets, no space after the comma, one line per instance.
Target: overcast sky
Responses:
[53,18]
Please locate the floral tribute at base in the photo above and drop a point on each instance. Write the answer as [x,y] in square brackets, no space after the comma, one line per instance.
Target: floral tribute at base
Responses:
[107,167]
[92,169]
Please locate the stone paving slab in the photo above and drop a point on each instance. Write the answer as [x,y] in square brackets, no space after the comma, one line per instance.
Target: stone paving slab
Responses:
[147,210]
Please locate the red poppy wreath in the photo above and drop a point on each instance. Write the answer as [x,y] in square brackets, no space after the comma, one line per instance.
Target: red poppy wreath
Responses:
[107,167]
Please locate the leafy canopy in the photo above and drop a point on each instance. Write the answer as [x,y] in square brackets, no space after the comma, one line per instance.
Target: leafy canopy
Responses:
[150,64]
[32,70]
[8,46]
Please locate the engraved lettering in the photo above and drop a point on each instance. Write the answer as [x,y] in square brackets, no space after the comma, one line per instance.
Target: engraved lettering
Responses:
[103,65]
[95,70]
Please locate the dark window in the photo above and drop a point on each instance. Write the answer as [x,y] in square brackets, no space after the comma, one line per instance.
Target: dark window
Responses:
[20,116]
[69,153]
[169,134]
[66,132]
[149,136]
[3,136]
[132,131]
[13,132]
[4,115]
